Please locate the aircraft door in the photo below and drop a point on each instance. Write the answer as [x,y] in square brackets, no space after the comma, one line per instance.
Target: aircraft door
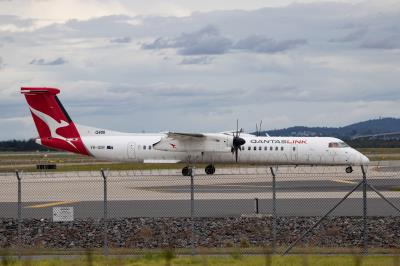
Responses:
[131,150]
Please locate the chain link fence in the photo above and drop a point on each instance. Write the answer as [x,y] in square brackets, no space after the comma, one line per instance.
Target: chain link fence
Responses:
[256,209]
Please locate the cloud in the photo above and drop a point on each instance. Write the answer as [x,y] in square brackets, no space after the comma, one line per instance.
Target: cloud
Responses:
[11,23]
[209,67]
[14,20]
[201,60]
[121,40]
[352,36]
[206,41]
[389,42]
[24,120]
[43,62]
[7,39]
[262,44]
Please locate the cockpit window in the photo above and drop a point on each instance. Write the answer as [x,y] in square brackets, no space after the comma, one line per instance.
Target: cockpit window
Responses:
[338,145]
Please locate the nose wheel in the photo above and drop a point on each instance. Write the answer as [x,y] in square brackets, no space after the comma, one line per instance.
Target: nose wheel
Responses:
[186,171]
[349,169]
[210,169]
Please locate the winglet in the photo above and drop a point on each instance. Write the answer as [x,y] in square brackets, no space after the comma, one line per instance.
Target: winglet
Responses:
[52,91]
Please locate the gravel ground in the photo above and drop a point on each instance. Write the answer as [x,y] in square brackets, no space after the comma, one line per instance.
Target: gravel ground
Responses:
[209,232]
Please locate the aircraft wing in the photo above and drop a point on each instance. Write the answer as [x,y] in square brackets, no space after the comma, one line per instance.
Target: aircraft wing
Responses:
[194,142]
[185,136]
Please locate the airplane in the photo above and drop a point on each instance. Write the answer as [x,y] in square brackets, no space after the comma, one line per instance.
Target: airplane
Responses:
[57,130]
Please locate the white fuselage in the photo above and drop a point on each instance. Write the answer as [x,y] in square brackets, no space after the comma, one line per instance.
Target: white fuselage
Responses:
[256,150]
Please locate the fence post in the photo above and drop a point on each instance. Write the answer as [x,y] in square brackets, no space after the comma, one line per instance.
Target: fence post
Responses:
[256,206]
[105,214]
[273,211]
[19,214]
[192,208]
[365,225]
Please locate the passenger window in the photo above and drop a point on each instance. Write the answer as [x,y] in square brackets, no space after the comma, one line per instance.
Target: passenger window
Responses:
[255,148]
[281,148]
[265,148]
[260,148]
[271,148]
[149,147]
[249,148]
[144,147]
[276,148]
[294,148]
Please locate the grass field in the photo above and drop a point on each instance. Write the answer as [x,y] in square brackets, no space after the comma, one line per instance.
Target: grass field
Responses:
[26,161]
[229,260]
[378,151]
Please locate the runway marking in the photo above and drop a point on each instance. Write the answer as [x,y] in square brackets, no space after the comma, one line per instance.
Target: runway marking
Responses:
[344,181]
[233,185]
[50,204]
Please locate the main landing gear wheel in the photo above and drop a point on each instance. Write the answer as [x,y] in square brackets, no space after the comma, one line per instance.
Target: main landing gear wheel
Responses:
[186,171]
[349,169]
[210,169]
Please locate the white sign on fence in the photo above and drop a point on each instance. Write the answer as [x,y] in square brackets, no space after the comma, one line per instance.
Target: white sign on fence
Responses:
[63,214]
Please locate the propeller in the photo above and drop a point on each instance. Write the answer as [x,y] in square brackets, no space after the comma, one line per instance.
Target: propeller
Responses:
[237,141]
[258,129]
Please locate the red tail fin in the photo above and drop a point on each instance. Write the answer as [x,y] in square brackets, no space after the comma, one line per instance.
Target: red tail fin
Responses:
[55,127]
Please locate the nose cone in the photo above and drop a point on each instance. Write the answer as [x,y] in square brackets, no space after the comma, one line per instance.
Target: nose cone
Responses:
[364,159]
[358,158]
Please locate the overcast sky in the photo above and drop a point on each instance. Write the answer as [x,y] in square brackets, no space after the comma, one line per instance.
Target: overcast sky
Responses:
[196,66]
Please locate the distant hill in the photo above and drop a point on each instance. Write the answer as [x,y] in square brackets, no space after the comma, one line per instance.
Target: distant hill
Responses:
[374,126]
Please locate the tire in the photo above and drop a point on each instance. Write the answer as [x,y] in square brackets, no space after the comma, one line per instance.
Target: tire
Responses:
[186,171]
[210,169]
[349,169]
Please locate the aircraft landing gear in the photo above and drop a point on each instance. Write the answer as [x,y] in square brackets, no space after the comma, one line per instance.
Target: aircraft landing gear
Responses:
[186,171]
[210,169]
[349,169]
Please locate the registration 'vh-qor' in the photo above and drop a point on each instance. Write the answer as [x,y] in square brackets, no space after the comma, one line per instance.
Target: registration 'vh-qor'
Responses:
[57,130]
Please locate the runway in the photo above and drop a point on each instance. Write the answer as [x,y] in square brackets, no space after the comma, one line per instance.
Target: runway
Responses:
[300,192]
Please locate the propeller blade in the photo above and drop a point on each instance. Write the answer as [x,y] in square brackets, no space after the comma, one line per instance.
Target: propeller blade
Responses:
[237,127]
[237,141]
[236,154]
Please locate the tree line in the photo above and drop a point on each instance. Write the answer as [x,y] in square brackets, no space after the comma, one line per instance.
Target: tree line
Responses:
[21,145]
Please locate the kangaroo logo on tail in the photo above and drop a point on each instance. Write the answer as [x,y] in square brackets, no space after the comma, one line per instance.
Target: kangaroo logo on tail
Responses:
[53,125]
